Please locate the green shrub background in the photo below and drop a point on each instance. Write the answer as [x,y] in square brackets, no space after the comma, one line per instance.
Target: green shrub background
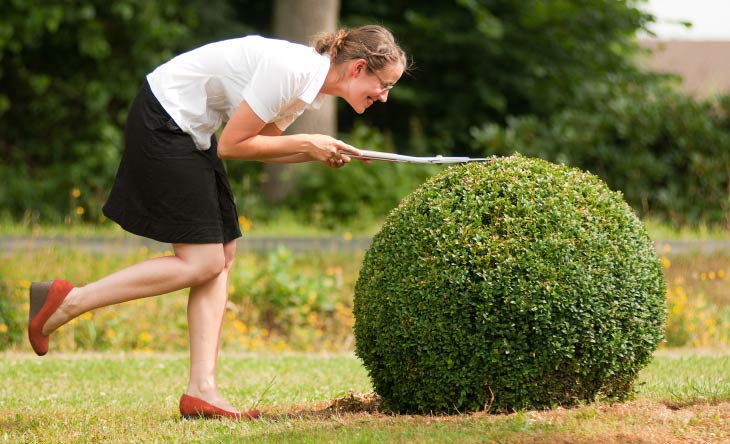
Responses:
[668,153]
[505,285]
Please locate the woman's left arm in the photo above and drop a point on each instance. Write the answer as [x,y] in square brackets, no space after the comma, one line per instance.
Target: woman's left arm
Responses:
[272,130]
[247,137]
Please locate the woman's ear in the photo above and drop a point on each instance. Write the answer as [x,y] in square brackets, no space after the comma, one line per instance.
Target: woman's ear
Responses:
[358,66]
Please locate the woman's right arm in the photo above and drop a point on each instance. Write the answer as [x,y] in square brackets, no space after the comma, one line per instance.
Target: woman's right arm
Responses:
[247,137]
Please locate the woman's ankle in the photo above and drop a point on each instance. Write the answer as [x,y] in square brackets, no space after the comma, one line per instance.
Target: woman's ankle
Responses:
[63,314]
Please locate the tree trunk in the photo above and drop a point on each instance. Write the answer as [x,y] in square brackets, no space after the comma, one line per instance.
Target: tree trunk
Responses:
[300,21]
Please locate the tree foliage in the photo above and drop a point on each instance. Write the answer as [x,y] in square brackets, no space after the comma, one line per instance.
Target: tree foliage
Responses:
[481,61]
[69,71]
[666,151]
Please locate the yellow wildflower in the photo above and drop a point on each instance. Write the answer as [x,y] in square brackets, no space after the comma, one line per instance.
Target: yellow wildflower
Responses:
[244,223]
[240,326]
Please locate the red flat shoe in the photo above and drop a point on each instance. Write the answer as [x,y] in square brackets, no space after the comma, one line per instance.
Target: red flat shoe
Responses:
[193,408]
[45,298]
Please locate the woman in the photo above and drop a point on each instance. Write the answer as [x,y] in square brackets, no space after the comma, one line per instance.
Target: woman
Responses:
[171,185]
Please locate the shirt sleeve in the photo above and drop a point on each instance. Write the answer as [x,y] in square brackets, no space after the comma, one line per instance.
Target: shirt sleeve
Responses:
[284,121]
[272,87]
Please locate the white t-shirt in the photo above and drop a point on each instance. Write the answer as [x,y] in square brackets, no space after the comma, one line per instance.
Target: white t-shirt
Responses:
[201,89]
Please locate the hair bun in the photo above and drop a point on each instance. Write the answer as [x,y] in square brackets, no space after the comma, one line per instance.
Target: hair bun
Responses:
[373,43]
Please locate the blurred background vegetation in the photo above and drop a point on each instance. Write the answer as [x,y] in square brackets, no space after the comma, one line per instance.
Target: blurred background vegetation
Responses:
[558,79]
[284,301]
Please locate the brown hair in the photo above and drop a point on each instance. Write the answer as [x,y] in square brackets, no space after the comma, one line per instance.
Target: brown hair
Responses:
[375,44]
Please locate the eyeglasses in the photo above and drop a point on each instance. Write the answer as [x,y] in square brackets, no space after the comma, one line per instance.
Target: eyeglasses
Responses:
[383,86]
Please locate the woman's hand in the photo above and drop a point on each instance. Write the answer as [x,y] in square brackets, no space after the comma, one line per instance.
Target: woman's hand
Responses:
[330,151]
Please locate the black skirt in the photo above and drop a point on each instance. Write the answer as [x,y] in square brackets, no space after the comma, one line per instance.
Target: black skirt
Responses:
[166,189]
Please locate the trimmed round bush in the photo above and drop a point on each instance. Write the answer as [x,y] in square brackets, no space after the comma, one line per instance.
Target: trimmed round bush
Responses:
[505,285]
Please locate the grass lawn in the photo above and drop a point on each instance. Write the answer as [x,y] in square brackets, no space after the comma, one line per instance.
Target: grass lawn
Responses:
[683,396]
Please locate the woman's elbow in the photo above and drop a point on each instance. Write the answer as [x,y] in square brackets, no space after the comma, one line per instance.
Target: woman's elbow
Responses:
[225,149]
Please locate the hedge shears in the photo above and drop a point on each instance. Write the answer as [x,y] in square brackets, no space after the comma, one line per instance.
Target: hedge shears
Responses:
[391,157]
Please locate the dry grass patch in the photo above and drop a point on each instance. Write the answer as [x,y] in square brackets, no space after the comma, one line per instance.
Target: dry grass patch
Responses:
[639,421]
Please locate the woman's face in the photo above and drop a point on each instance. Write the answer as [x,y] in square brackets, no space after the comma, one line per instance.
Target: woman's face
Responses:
[367,87]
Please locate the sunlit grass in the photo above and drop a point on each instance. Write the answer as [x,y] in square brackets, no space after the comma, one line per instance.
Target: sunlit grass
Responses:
[687,376]
[132,398]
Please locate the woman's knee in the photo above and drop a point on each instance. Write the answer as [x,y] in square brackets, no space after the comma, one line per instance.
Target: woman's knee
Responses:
[205,261]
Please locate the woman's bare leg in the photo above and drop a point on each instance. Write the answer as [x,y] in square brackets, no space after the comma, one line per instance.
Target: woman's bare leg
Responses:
[192,265]
[206,307]
[204,268]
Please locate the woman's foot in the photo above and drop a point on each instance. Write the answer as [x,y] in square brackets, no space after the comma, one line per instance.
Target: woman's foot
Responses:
[62,315]
[212,397]
[45,300]
[193,408]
